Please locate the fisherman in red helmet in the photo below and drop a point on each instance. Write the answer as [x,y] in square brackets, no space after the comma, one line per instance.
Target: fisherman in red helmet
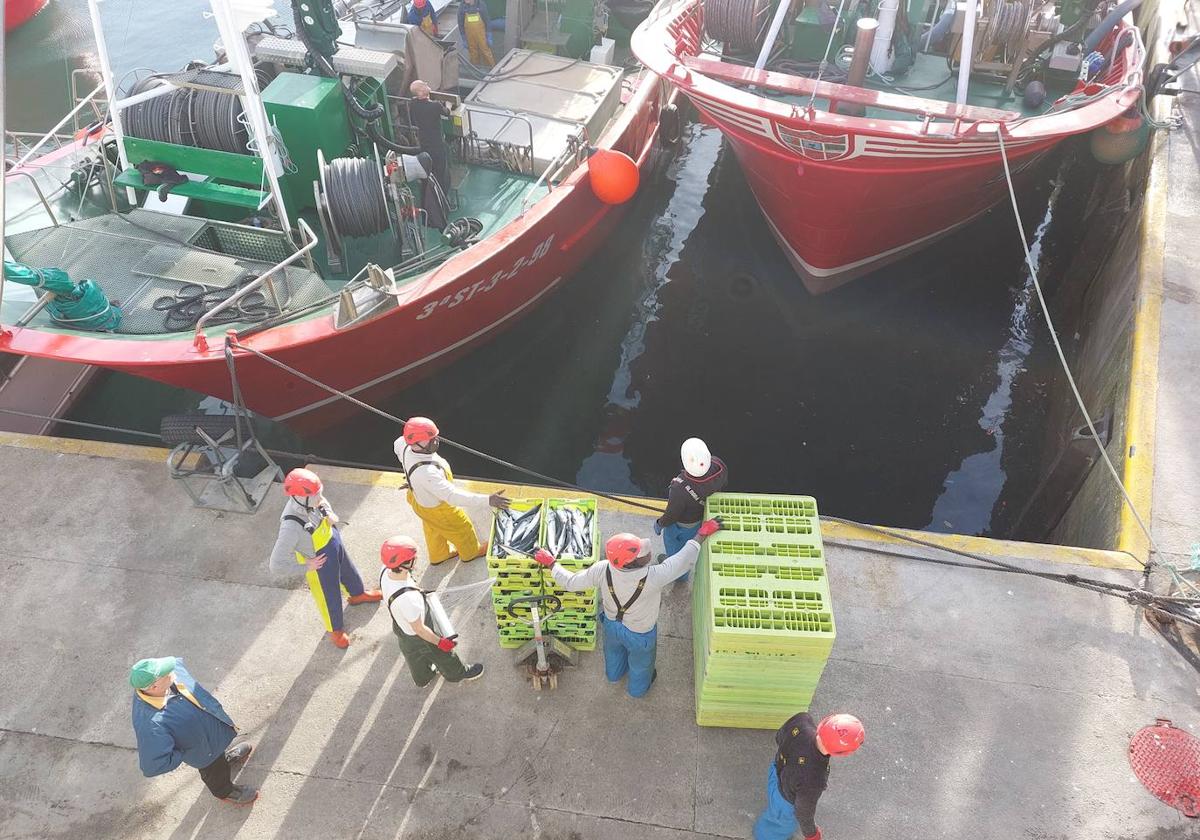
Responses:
[434,497]
[800,771]
[427,652]
[309,542]
[631,597]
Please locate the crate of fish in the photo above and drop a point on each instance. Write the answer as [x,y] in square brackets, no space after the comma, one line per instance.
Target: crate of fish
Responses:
[765,546]
[516,534]
[572,532]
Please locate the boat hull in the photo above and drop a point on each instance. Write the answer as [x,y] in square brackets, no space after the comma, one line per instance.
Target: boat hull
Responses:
[455,308]
[836,223]
[850,178]
[18,12]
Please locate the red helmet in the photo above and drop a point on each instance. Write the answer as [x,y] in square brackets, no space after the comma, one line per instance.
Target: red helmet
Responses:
[419,430]
[398,551]
[840,734]
[302,482]
[623,549]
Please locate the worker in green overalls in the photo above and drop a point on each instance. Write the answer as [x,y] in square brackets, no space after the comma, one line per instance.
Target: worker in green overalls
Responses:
[309,542]
[473,23]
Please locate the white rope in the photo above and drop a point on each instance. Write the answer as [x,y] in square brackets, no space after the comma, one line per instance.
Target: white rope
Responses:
[1062,358]
[828,47]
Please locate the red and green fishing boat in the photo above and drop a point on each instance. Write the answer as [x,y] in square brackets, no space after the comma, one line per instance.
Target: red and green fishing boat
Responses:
[286,195]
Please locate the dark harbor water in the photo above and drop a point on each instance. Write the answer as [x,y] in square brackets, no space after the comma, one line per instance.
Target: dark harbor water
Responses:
[913,397]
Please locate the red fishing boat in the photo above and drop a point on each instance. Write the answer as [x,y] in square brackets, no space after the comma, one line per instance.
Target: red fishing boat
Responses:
[338,253]
[866,136]
[17,12]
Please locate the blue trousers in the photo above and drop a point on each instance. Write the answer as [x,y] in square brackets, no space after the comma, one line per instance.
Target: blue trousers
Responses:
[778,820]
[337,572]
[675,537]
[626,652]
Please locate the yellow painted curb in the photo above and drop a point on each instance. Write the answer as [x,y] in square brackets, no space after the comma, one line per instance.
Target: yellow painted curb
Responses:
[1008,550]
[75,446]
[1141,409]
[831,530]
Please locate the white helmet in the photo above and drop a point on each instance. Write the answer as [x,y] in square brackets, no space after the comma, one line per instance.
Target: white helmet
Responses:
[696,457]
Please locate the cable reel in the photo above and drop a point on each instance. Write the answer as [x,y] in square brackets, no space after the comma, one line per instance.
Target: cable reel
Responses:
[351,202]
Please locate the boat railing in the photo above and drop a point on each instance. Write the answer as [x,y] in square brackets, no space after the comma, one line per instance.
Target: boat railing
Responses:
[964,119]
[574,153]
[76,97]
[524,162]
[37,188]
[53,134]
[200,341]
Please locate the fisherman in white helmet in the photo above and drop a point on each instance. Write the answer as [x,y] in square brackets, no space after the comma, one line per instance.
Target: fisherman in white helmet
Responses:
[702,476]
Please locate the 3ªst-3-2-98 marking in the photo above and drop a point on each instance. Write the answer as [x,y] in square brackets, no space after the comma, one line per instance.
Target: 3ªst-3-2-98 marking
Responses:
[487,284]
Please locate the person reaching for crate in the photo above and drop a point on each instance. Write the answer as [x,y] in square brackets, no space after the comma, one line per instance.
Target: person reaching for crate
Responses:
[427,652]
[631,593]
[435,499]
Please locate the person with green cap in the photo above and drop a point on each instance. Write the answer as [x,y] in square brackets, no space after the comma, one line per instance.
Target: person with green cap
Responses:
[177,721]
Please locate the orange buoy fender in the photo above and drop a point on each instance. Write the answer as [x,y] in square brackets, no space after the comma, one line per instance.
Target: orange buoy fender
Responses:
[614,176]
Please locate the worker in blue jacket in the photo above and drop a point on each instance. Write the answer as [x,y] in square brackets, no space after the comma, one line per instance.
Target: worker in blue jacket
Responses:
[177,722]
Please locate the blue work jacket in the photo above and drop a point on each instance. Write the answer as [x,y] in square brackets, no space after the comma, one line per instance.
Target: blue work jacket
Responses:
[181,731]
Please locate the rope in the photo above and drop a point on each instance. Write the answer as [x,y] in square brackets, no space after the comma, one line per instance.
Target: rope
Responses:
[1062,358]
[737,23]
[355,196]
[459,446]
[189,303]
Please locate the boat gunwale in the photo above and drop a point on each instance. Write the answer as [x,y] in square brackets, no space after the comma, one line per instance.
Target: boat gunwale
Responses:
[651,40]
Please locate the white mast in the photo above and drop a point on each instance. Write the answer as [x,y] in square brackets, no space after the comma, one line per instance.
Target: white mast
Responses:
[967,53]
[231,26]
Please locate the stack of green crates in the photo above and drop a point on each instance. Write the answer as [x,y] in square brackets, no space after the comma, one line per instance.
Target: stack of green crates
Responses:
[762,615]
[515,577]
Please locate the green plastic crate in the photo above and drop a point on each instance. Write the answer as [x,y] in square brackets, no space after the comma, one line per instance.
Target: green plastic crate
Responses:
[516,561]
[793,507]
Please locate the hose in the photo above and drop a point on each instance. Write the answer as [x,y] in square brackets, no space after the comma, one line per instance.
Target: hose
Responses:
[354,193]
[189,304]
[1111,19]
[373,133]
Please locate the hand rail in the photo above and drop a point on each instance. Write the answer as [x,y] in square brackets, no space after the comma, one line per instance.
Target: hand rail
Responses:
[199,341]
[51,133]
[41,196]
[555,166]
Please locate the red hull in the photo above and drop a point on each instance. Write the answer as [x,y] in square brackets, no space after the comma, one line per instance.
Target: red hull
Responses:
[845,195]
[18,12]
[458,306]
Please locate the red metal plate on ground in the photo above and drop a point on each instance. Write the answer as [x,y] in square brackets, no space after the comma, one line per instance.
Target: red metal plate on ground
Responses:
[1167,761]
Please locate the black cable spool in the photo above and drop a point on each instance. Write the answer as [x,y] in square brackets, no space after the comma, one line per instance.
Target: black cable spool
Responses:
[354,196]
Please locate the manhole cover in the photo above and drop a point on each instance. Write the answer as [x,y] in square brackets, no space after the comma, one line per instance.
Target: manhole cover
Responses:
[1167,761]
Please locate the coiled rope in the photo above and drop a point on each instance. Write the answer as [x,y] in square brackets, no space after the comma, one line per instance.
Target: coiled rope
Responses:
[184,117]
[354,192]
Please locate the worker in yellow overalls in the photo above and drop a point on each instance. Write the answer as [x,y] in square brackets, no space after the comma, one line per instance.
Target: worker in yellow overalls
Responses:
[435,499]
[310,542]
[421,14]
[473,23]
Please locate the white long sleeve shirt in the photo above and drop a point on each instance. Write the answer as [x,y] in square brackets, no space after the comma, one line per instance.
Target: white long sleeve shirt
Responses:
[643,614]
[428,477]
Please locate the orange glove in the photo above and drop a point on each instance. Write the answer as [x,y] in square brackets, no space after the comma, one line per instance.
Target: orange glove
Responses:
[708,528]
[544,557]
[446,644]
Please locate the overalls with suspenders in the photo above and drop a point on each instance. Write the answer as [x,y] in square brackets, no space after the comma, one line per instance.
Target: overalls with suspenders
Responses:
[326,583]
[444,524]
[425,659]
[626,651]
